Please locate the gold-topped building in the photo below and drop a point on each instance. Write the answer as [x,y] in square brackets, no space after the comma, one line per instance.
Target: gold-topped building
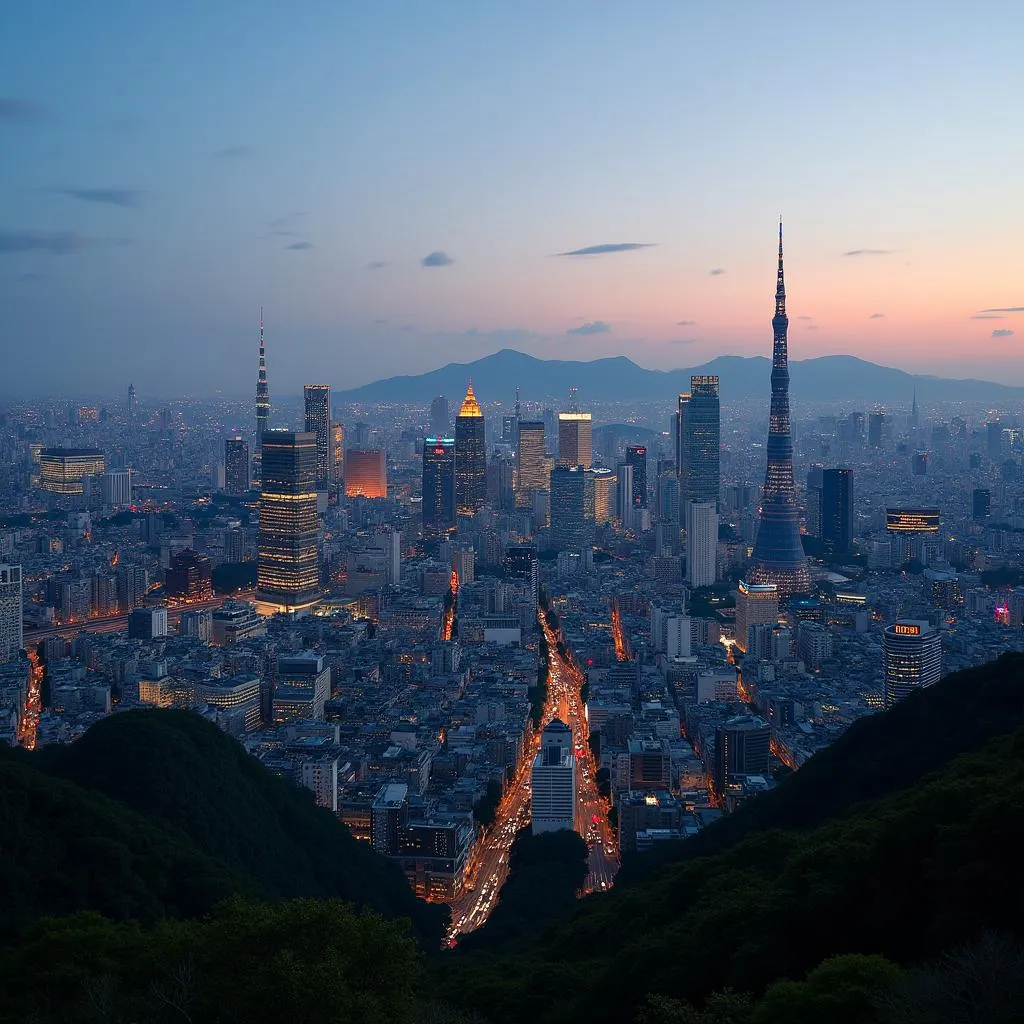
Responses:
[470,456]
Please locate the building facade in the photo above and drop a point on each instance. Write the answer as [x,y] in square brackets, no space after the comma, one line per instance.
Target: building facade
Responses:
[236,465]
[317,398]
[553,781]
[575,439]
[699,443]
[911,658]
[470,457]
[438,506]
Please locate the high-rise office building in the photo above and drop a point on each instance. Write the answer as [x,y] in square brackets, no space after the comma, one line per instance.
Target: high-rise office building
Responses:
[756,605]
[701,543]
[572,508]
[470,456]
[531,469]
[236,465]
[981,504]
[337,455]
[624,495]
[116,485]
[553,781]
[742,747]
[778,551]
[189,576]
[815,482]
[636,456]
[919,464]
[440,418]
[837,509]
[876,425]
[366,473]
[11,634]
[70,471]
[911,658]
[605,490]
[262,393]
[288,570]
[318,421]
[993,439]
[699,444]
[575,439]
[438,488]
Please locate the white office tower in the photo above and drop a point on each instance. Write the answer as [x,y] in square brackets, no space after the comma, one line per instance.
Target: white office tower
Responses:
[553,779]
[701,543]
[912,657]
[11,637]
[393,554]
[678,636]
[117,487]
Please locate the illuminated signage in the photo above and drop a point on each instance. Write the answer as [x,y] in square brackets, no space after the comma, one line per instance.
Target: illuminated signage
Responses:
[902,629]
[912,520]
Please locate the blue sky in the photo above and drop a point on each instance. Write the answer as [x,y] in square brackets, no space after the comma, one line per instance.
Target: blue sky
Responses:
[166,168]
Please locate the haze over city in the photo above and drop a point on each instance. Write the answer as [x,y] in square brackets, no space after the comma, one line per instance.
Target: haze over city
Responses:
[404,186]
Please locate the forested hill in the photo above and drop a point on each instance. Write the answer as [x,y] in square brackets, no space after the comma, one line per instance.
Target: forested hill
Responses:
[158,813]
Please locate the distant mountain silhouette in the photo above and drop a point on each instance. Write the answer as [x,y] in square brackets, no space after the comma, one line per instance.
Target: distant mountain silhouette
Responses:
[827,378]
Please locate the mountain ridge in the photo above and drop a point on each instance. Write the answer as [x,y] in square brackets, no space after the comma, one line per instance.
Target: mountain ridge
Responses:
[610,378]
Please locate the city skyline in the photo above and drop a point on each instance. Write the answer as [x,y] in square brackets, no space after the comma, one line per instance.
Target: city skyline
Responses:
[127,226]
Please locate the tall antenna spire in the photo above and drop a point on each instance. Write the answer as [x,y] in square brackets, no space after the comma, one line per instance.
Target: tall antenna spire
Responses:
[262,393]
[517,404]
[780,284]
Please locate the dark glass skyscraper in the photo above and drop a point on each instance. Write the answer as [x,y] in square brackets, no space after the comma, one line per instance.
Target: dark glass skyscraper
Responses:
[470,457]
[262,393]
[438,487]
[318,421]
[236,465]
[636,456]
[837,509]
[699,444]
[572,508]
[778,551]
[288,571]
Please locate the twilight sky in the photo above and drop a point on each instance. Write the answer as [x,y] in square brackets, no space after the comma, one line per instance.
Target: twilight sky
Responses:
[403,184]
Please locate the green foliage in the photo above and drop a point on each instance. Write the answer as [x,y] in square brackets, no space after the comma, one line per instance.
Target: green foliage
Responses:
[726,1007]
[545,874]
[159,813]
[486,807]
[842,990]
[300,961]
[231,576]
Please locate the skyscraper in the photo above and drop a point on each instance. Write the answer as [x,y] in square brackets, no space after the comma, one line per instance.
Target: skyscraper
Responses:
[236,465]
[837,509]
[337,455]
[742,747]
[288,572]
[876,425]
[624,493]
[11,635]
[553,780]
[575,439]
[755,606]
[470,457]
[572,508]
[438,487]
[439,416]
[532,473]
[318,422]
[912,658]
[701,543]
[366,473]
[778,551]
[133,404]
[636,456]
[699,444]
[262,393]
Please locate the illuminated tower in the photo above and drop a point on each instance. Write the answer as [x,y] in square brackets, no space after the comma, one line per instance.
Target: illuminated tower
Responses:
[262,394]
[318,421]
[470,456]
[778,551]
[288,572]
[575,439]
[532,472]
[911,657]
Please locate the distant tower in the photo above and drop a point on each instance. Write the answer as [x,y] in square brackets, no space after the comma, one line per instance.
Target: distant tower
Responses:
[532,471]
[438,506]
[236,464]
[778,551]
[133,404]
[318,421]
[914,416]
[262,394]
[470,456]
[636,456]
[699,442]
[575,438]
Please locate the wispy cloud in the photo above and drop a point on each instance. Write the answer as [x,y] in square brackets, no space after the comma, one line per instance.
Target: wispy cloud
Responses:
[58,242]
[805,317]
[682,341]
[716,271]
[686,323]
[607,247]
[438,258]
[987,316]
[877,316]
[1005,309]
[297,246]
[591,327]
[1002,332]
[233,152]
[376,265]
[812,327]
[111,196]
[13,109]
[869,252]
